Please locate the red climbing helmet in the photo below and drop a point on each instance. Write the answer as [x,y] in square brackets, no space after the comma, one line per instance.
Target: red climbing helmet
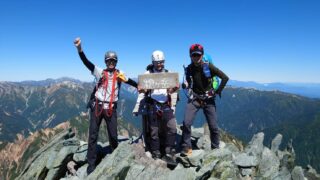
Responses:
[196,49]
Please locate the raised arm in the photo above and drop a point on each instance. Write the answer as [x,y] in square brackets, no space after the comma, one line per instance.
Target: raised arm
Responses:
[86,62]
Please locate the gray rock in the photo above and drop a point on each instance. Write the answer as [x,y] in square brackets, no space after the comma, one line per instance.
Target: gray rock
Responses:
[231,148]
[206,170]
[36,168]
[81,154]
[255,146]
[297,173]
[204,142]
[287,159]
[197,132]
[152,171]
[276,143]
[269,164]
[64,155]
[188,174]
[225,170]
[245,160]
[284,174]
[130,161]
[196,158]
[115,165]
[246,171]
[311,173]
[82,172]
[135,171]
[220,154]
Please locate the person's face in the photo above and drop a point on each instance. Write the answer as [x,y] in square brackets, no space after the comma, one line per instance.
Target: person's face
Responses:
[158,65]
[111,63]
[196,58]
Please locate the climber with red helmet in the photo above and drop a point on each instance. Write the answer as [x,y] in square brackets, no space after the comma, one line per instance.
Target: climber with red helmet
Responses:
[202,96]
[103,101]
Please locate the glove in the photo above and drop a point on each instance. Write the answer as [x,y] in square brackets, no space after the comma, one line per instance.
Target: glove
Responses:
[122,77]
[211,93]
[184,86]
[140,90]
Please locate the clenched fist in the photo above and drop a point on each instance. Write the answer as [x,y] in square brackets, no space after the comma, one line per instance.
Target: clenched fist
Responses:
[77,43]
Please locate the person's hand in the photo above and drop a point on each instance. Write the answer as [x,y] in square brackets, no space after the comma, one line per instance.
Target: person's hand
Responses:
[140,90]
[172,90]
[211,93]
[183,85]
[77,43]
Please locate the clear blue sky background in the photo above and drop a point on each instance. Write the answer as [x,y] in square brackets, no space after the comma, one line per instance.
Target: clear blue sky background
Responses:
[250,40]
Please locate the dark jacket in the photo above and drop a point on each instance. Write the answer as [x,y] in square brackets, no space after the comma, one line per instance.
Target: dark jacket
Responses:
[200,84]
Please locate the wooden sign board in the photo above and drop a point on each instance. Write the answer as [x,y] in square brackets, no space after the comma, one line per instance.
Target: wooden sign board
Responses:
[158,80]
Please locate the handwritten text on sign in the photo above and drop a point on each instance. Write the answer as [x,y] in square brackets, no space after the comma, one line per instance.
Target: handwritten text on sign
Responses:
[158,80]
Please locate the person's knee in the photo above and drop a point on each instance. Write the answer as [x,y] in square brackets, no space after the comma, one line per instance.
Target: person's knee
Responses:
[172,131]
[154,133]
[93,135]
[214,129]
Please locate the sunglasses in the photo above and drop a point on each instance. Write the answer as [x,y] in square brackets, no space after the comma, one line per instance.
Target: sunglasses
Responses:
[159,62]
[111,61]
[196,55]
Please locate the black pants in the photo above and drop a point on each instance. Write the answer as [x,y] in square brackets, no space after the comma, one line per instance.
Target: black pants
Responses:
[209,110]
[162,128]
[94,132]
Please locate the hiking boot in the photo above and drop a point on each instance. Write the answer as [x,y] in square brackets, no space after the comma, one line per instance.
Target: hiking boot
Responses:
[156,154]
[171,163]
[90,169]
[214,147]
[186,152]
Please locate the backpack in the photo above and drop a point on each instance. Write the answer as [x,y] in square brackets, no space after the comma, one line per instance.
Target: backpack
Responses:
[208,60]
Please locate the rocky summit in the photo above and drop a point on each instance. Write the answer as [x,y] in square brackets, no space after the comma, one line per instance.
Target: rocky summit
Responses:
[65,158]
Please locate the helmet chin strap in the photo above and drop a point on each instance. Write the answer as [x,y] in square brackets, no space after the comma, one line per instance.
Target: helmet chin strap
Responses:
[111,69]
[157,70]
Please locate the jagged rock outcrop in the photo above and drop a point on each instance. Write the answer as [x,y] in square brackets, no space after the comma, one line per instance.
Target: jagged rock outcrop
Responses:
[12,155]
[64,158]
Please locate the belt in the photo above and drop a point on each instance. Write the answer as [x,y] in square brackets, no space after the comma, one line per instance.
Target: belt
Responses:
[106,102]
[159,103]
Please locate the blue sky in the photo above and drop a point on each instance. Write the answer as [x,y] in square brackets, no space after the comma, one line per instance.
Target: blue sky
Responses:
[250,40]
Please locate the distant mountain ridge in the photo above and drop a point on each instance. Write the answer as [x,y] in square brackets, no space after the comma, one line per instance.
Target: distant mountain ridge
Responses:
[32,105]
[241,111]
[49,81]
[311,90]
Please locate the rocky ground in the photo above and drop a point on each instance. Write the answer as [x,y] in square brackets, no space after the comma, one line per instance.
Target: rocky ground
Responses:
[65,158]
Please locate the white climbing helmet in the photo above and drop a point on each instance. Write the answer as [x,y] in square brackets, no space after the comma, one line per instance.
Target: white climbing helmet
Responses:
[157,56]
